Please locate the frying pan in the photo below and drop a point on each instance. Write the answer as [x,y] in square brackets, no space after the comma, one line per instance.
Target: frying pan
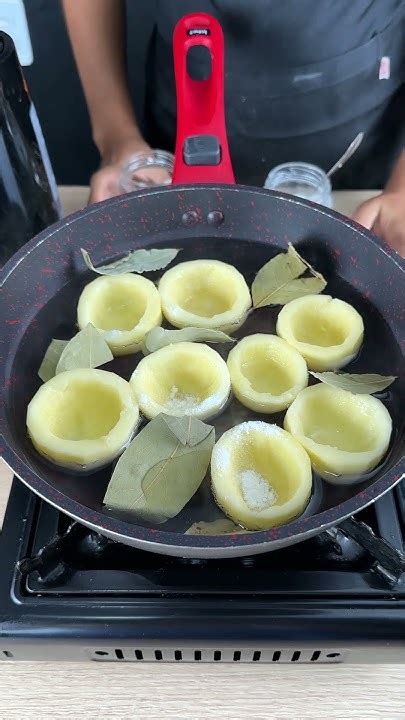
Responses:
[241,225]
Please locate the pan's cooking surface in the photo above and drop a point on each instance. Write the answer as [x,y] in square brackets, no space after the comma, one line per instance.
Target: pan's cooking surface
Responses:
[60,317]
[256,226]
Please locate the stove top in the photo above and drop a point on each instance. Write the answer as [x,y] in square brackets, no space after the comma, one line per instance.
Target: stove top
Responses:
[67,593]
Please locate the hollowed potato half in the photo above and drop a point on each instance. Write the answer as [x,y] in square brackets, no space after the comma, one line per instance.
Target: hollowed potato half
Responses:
[266,373]
[123,307]
[261,476]
[205,293]
[345,435]
[82,418]
[326,331]
[182,379]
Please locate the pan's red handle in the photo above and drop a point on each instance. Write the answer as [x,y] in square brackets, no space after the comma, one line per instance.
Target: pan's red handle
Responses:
[202,153]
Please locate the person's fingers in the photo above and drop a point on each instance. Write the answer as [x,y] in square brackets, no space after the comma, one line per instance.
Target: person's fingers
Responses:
[385,217]
[396,240]
[390,224]
[108,181]
[104,184]
[367,213]
[155,175]
[97,194]
[145,177]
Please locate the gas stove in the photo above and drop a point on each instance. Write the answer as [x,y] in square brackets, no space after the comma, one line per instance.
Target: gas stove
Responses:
[67,593]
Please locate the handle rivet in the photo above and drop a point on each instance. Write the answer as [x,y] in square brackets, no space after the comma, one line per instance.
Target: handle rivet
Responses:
[189,218]
[215,218]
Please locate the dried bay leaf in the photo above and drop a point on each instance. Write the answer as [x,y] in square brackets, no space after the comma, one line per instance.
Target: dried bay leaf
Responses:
[278,272]
[47,369]
[138,261]
[363,384]
[187,430]
[158,337]
[280,281]
[162,468]
[215,527]
[292,252]
[87,349]
[298,288]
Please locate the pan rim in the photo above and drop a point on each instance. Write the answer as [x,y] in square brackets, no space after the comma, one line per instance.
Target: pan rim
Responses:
[167,542]
[9,267]
[301,527]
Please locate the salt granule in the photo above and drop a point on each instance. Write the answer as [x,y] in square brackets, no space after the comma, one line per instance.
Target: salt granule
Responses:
[111,334]
[257,493]
[222,457]
[177,402]
[239,432]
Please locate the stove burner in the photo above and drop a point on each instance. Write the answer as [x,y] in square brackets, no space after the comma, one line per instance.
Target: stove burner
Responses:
[73,551]
[323,600]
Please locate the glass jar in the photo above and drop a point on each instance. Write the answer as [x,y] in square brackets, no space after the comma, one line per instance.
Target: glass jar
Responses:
[303,180]
[147,169]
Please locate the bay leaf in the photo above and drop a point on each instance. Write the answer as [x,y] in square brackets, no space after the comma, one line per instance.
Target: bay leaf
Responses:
[363,384]
[87,349]
[298,288]
[160,470]
[222,526]
[294,253]
[138,261]
[47,369]
[158,337]
[190,431]
[279,280]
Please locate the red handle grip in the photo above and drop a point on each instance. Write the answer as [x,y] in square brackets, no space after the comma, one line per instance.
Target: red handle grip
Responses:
[200,105]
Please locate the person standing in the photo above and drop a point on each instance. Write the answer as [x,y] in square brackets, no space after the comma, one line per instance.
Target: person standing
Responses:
[302,78]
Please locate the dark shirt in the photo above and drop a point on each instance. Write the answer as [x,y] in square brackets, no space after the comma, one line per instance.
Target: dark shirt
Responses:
[302,78]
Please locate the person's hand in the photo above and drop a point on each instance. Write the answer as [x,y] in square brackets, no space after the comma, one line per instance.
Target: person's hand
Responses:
[105,183]
[385,216]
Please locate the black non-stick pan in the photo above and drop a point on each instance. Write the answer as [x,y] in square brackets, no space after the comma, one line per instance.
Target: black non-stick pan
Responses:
[244,226]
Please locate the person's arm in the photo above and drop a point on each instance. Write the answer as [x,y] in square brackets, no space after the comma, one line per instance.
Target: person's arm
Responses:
[97,33]
[385,214]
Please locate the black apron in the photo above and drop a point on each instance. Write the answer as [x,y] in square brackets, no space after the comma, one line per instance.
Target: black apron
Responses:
[302,78]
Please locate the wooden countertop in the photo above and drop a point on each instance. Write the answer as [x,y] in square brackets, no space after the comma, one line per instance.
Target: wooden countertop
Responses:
[37,691]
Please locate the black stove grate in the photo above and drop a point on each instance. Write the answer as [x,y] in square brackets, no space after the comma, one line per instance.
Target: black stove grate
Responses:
[81,596]
[69,559]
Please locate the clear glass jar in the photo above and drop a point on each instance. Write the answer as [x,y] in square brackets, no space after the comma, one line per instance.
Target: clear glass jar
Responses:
[147,169]
[303,180]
